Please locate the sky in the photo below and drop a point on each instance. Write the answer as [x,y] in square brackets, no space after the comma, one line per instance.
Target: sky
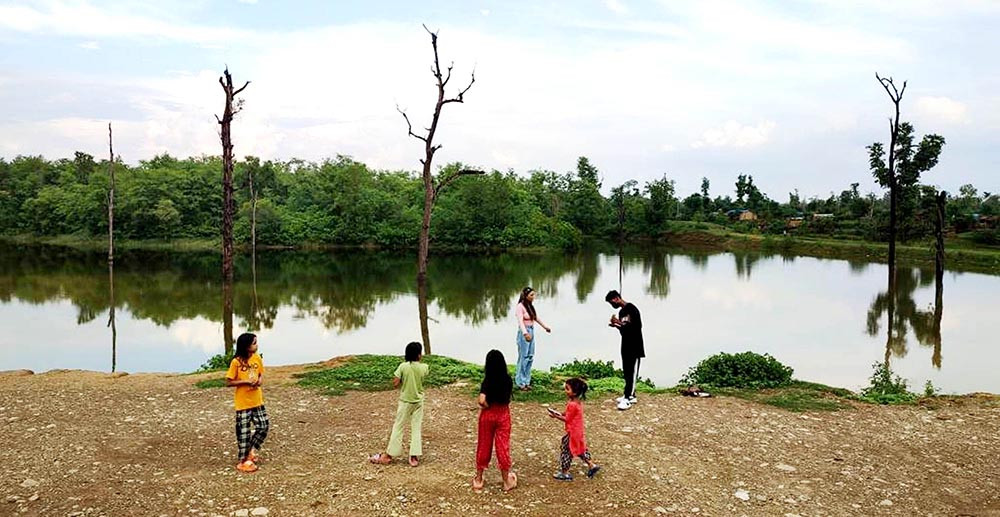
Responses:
[784,91]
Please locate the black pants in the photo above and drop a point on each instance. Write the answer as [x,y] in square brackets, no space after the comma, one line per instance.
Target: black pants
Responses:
[630,368]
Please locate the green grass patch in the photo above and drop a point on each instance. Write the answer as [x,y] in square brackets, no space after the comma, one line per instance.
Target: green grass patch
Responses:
[374,373]
[798,396]
[211,383]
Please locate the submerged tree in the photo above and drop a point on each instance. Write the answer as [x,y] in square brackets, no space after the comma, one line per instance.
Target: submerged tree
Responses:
[228,203]
[432,188]
[906,161]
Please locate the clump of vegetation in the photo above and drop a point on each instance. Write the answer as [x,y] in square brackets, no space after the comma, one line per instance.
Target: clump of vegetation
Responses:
[211,383]
[216,362]
[884,387]
[930,390]
[588,369]
[743,370]
[374,373]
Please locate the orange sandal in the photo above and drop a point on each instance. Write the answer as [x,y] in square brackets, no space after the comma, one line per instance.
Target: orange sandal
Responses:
[253,456]
[247,467]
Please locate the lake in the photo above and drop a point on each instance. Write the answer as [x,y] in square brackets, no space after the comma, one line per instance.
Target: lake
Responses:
[828,319]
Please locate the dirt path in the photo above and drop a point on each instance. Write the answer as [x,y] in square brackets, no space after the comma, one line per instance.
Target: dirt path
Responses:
[84,443]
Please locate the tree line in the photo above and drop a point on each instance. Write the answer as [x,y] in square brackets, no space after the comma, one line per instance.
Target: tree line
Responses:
[342,201]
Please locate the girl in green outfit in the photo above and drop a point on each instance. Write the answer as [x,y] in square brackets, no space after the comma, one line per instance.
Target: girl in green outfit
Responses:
[409,377]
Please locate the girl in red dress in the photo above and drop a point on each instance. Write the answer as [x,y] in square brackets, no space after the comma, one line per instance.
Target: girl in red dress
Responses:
[574,443]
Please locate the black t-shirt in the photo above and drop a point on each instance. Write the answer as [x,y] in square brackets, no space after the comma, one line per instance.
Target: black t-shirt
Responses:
[497,395]
[631,331]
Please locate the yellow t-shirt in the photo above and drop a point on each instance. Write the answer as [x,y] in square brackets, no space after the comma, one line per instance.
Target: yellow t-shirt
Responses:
[247,397]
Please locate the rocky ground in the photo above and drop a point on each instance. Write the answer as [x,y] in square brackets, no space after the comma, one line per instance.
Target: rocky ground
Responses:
[85,443]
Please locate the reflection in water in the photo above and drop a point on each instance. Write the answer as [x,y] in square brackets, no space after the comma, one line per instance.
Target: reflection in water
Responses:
[745,263]
[656,264]
[111,315]
[903,315]
[227,316]
[425,332]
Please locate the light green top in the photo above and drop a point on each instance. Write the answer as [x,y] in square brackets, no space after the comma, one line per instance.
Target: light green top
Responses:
[412,375]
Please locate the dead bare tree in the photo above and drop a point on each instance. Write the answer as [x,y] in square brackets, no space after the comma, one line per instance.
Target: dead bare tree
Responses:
[433,189]
[111,251]
[228,203]
[896,95]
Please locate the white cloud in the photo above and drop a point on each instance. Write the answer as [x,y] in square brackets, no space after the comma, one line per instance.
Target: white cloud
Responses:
[734,134]
[198,333]
[251,2]
[943,110]
[90,45]
[616,6]
[484,12]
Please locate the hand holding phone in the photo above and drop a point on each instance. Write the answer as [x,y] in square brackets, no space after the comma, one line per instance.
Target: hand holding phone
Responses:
[553,412]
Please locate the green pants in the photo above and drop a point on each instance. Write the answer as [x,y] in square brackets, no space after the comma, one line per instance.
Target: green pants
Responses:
[414,412]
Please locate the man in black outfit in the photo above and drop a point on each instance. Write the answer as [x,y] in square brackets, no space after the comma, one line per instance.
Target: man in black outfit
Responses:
[629,323]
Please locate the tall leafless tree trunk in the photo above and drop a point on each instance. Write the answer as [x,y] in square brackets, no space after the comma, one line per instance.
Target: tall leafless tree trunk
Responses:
[228,204]
[897,96]
[111,198]
[111,252]
[433,189]
[939,202]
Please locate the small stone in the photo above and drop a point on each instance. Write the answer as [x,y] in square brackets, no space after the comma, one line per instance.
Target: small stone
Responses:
[29,483]
[885,502]
[34,497]
[742,495]
[660,509]
[784,467]
[12,499]
[260,510]
[242,513]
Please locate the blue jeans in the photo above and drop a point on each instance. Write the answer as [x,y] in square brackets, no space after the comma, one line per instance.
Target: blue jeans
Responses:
[525,356]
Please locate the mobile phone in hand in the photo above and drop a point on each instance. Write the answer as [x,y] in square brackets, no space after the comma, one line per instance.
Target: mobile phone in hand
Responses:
[553,412]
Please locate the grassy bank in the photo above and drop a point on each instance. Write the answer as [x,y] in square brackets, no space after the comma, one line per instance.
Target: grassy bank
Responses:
[961,254]
[374,373]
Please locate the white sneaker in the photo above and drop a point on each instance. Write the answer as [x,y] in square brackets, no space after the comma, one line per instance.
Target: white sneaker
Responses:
[623,405]
[621,399]
[632,400]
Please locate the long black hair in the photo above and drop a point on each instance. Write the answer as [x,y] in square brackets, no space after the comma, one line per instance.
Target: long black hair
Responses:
[579,387]
[243,346]
[497,384]
[413,351]
[523,300]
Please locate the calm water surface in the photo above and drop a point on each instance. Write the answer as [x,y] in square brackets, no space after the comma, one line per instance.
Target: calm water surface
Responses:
[828,319]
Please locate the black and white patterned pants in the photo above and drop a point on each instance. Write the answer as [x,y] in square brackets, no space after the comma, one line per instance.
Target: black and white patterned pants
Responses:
[258,417]
[566,458]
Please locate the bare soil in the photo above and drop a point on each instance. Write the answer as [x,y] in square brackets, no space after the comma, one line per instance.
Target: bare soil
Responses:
[87,443]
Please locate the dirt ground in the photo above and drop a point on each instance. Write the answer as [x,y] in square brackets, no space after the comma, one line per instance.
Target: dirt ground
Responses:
[84,443]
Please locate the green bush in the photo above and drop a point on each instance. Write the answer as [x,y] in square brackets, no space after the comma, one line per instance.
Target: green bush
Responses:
[743,370]
[886,388]
[986,237]
[216,362]
[588,369]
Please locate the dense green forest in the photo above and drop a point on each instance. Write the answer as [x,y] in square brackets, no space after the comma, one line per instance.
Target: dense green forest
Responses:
[343,202]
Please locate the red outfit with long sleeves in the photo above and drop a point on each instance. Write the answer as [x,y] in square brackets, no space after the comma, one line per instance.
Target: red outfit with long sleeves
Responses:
[494,428]
[574,428]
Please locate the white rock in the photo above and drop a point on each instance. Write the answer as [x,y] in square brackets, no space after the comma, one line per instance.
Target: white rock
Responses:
[242,513]
[660,509]
[29,483]
[786,468]
[260,510]
[742,495]
[885,502]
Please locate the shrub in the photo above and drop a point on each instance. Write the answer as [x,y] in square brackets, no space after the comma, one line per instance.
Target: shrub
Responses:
[986,237]
[588,369]
[743,370]
[886,388]
[216,362]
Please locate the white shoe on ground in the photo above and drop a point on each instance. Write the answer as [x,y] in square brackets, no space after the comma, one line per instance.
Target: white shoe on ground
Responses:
[623,405]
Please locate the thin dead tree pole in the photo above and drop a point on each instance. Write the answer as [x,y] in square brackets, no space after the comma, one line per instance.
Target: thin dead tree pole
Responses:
[896,95]
[111,252]
[228,204]
[433,189]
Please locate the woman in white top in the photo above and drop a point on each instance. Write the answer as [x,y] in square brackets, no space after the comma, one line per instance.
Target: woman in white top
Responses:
[526,319]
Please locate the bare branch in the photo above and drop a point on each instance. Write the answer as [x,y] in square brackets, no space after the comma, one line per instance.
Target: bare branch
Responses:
[448,78]
[461,94]
[454,176]
[218,119]
[237,92]
[409,127]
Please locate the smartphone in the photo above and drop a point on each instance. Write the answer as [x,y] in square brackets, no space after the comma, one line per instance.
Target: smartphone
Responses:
[553,411]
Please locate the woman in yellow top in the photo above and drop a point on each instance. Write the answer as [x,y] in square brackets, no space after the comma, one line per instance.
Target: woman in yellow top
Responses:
[246,372]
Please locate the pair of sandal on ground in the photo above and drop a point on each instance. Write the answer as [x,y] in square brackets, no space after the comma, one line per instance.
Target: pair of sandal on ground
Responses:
[384,459]
[566,476]
[249,464]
